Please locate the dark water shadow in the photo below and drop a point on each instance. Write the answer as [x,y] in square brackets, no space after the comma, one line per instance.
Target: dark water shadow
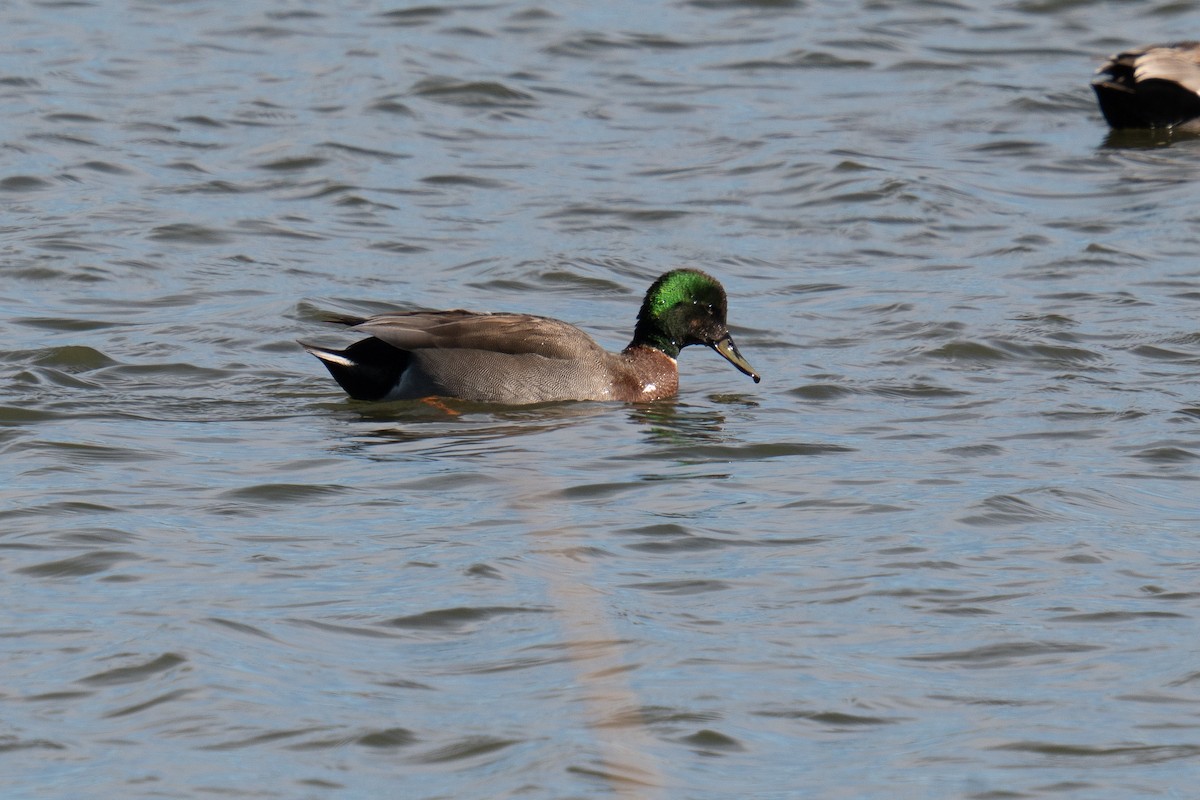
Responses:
[432,423]
[1146,138]
[672,422]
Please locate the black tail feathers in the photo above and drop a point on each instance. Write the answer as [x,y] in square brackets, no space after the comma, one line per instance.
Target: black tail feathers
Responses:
[367,370]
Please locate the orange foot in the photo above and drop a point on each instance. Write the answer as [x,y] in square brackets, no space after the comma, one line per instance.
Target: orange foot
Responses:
[437,403]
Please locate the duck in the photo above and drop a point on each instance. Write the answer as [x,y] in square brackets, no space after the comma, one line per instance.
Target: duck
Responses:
[1152,87]
[518,359]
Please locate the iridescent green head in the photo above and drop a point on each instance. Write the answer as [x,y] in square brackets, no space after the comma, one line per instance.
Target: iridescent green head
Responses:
[684,307]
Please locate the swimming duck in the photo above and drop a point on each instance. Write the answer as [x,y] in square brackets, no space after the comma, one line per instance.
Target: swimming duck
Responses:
[521,358]
[1152,87]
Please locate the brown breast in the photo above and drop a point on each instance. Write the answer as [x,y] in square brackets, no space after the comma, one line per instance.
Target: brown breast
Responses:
[643,373]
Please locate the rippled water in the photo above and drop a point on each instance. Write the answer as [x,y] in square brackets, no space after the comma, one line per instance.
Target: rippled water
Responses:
[945,549]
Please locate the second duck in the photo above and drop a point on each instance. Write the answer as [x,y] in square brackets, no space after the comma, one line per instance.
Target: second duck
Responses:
[1152,87]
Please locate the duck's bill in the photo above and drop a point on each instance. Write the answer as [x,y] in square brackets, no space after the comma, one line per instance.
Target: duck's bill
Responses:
[729,351]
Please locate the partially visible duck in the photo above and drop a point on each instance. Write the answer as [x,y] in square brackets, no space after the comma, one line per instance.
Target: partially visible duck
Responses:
[521,358]
[1152,87]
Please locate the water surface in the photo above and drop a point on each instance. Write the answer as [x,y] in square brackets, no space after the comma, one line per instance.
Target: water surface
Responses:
[945,550]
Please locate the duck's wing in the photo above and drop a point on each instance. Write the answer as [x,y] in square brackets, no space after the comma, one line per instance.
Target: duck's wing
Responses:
[1177,63]
[470,330]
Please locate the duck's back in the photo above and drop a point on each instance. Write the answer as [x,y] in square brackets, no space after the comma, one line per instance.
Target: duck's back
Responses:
[495,358]
[473,330]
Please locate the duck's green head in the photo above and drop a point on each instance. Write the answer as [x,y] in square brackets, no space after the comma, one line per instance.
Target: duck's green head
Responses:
[683,307]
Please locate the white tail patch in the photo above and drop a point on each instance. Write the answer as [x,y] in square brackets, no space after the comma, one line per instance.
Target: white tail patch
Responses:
[331,357]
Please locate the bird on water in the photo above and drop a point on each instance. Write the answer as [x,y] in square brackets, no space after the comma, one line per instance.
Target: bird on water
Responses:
[522,358]
[1152,87]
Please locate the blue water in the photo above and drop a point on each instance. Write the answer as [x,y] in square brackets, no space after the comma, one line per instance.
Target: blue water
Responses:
[944,550]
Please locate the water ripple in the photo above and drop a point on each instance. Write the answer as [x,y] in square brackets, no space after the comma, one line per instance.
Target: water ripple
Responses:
[953,530]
